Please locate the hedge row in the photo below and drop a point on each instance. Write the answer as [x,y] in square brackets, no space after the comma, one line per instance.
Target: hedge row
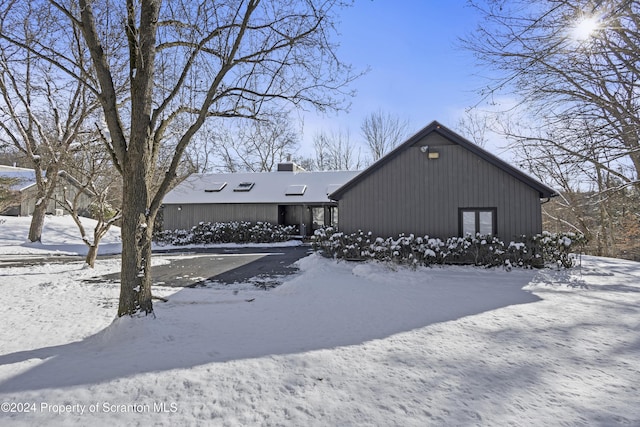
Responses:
[533,251]
[226,232]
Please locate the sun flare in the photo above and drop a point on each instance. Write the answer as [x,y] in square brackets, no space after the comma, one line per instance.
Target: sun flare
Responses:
[586,27]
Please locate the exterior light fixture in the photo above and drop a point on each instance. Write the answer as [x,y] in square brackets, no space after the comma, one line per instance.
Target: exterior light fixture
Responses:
[430,154]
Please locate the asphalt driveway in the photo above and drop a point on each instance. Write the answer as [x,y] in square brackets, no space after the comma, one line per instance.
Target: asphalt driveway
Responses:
[263,267]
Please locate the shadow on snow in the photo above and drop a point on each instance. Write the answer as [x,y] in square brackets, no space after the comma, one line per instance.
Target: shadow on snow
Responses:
[202,326]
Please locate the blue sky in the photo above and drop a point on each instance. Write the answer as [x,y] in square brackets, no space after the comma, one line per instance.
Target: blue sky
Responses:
[417,70]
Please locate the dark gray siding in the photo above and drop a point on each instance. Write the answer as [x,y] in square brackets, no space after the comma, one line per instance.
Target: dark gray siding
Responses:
[296,215]
[187,215]
[414,194]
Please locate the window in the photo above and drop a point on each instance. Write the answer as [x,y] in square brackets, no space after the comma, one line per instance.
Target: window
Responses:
[334,216]
[317,217]
[215,187]
[295,190]
[244,186]
[477,220]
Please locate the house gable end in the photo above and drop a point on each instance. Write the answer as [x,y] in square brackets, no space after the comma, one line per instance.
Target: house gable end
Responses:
[437,135]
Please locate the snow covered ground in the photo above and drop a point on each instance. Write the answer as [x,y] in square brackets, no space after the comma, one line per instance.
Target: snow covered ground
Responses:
[337,344]
[60,236]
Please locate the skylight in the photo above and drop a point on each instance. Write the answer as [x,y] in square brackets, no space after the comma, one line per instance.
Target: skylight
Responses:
[296,190]
[215,187]
[244,186]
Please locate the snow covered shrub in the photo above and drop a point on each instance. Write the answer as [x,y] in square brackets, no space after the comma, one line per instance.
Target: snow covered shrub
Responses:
[558,247]
[355,246]
[175,237]
[522,253]
[488,251]
[474,249]
[226,232]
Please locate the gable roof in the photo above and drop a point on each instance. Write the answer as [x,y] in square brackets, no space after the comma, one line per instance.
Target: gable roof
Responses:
[268,187]
[435,127]
[26,178]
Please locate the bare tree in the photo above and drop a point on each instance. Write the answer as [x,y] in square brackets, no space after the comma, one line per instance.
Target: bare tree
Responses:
[182,60]
[42,111]
[591,196]
[335,151]
[258,146]
[577,113]
[202,154]
[382,132]
[93,174]
[475,125]
[567,82]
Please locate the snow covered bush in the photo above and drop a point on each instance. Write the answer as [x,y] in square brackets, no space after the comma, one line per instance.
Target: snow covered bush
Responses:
[489,251]
[226,232]
[478,250]
[558,247]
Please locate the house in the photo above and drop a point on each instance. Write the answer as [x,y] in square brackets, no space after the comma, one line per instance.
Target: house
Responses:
[289,196]
[26,190]
[437,183]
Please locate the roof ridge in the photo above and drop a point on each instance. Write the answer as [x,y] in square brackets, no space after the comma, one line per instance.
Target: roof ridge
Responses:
[544,190]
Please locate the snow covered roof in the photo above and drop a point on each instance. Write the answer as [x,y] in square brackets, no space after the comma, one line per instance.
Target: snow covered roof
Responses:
[259,187]
[25,177]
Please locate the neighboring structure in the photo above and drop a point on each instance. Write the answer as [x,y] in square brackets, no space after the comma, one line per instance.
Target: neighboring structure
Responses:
[439,184]
[290,196]
[26,189]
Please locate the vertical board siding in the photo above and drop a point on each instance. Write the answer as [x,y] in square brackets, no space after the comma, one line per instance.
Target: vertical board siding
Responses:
[414,194]
[29,198]
[192,214]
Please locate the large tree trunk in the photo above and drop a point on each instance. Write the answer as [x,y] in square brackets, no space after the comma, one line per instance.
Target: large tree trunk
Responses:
[135,274]
[137,226]
[37,220]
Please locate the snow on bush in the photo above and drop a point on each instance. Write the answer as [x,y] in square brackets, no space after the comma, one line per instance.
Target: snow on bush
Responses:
[226,232]
[490,251]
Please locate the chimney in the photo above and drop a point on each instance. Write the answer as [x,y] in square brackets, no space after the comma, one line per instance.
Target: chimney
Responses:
[289,167]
